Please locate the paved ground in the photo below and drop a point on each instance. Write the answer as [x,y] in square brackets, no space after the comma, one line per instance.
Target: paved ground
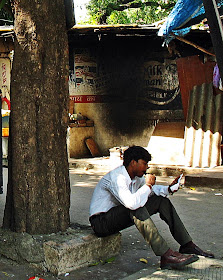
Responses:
[199,208]
[204,269]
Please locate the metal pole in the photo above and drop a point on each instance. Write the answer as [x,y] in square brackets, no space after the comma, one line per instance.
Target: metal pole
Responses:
[215,25]
[69,12]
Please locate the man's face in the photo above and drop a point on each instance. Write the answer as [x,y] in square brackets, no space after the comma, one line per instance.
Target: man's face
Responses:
[140,167]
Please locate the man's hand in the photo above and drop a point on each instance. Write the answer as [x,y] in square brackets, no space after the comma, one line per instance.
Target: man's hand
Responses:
[175,181]
[150,180]
[174,188]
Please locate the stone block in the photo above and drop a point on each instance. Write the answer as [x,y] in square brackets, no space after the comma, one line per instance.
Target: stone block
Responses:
[59,252]
[82,250]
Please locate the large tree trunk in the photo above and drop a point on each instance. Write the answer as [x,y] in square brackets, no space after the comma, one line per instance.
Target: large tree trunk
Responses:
[38,197]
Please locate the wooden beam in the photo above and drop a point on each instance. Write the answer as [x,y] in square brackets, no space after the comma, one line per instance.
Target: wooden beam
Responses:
[193,44]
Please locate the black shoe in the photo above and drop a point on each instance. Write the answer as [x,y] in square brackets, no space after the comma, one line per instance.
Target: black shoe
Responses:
[174,260]
[191,248]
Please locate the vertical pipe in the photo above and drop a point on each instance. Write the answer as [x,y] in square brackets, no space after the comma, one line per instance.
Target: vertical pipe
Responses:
[189,131]
[198,141]
[216,30]
[206,151]
[216,139]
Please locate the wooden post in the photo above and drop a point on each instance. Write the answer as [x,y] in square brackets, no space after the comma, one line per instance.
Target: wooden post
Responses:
[215,25]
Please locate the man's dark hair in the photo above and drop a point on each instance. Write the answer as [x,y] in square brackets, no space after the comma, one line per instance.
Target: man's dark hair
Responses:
[135,153]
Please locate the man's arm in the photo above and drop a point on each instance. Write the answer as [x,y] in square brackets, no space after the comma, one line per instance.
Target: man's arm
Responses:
[132,199]
[166,190]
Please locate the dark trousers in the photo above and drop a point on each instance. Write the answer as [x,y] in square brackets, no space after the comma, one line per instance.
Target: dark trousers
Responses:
[120,217]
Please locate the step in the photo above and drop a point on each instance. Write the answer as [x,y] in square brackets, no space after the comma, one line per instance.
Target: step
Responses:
[213,178]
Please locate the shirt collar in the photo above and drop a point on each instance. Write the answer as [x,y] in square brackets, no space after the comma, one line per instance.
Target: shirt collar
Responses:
[125,172]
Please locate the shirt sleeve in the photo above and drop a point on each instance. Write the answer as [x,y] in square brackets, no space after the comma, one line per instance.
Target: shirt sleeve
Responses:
[120,189]
[161,190]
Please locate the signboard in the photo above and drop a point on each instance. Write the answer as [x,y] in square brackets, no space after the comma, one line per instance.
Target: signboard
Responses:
[161,85]
[5,66]
[5,69]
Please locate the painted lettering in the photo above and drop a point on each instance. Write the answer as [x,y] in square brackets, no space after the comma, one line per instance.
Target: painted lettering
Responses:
[77,98]
[4,76]
[153,82]
[91,99]
[154,70]
[158,95]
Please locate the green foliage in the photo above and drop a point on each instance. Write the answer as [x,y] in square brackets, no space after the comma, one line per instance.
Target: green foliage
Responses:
[6,17]
[119,18]
[128,11]
[110,260]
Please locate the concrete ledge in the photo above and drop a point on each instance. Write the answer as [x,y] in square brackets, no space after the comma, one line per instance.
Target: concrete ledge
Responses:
[80,251]
[172,170]
[209,178]
[106,164]
[201,180]
[59,253]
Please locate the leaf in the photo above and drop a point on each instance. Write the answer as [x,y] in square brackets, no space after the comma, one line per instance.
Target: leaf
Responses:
[94,264]
[143,260]
[110,260]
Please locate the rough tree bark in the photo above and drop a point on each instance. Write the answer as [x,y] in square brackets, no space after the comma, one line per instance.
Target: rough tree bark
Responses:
[38,196]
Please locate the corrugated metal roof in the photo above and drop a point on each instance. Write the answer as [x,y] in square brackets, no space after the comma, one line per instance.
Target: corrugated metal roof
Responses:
[111,26]
[116,29]
[132,29]
[108,28]
[203,109]
[6,30]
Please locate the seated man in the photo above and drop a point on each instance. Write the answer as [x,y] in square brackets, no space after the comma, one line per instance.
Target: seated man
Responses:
[124,197]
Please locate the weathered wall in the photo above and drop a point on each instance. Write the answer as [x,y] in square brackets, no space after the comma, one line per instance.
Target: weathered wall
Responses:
[76,141]
[125,84]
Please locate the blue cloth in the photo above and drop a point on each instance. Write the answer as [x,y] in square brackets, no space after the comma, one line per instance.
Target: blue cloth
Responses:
[184,14]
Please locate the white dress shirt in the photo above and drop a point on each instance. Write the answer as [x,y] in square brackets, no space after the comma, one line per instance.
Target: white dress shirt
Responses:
[117,188]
